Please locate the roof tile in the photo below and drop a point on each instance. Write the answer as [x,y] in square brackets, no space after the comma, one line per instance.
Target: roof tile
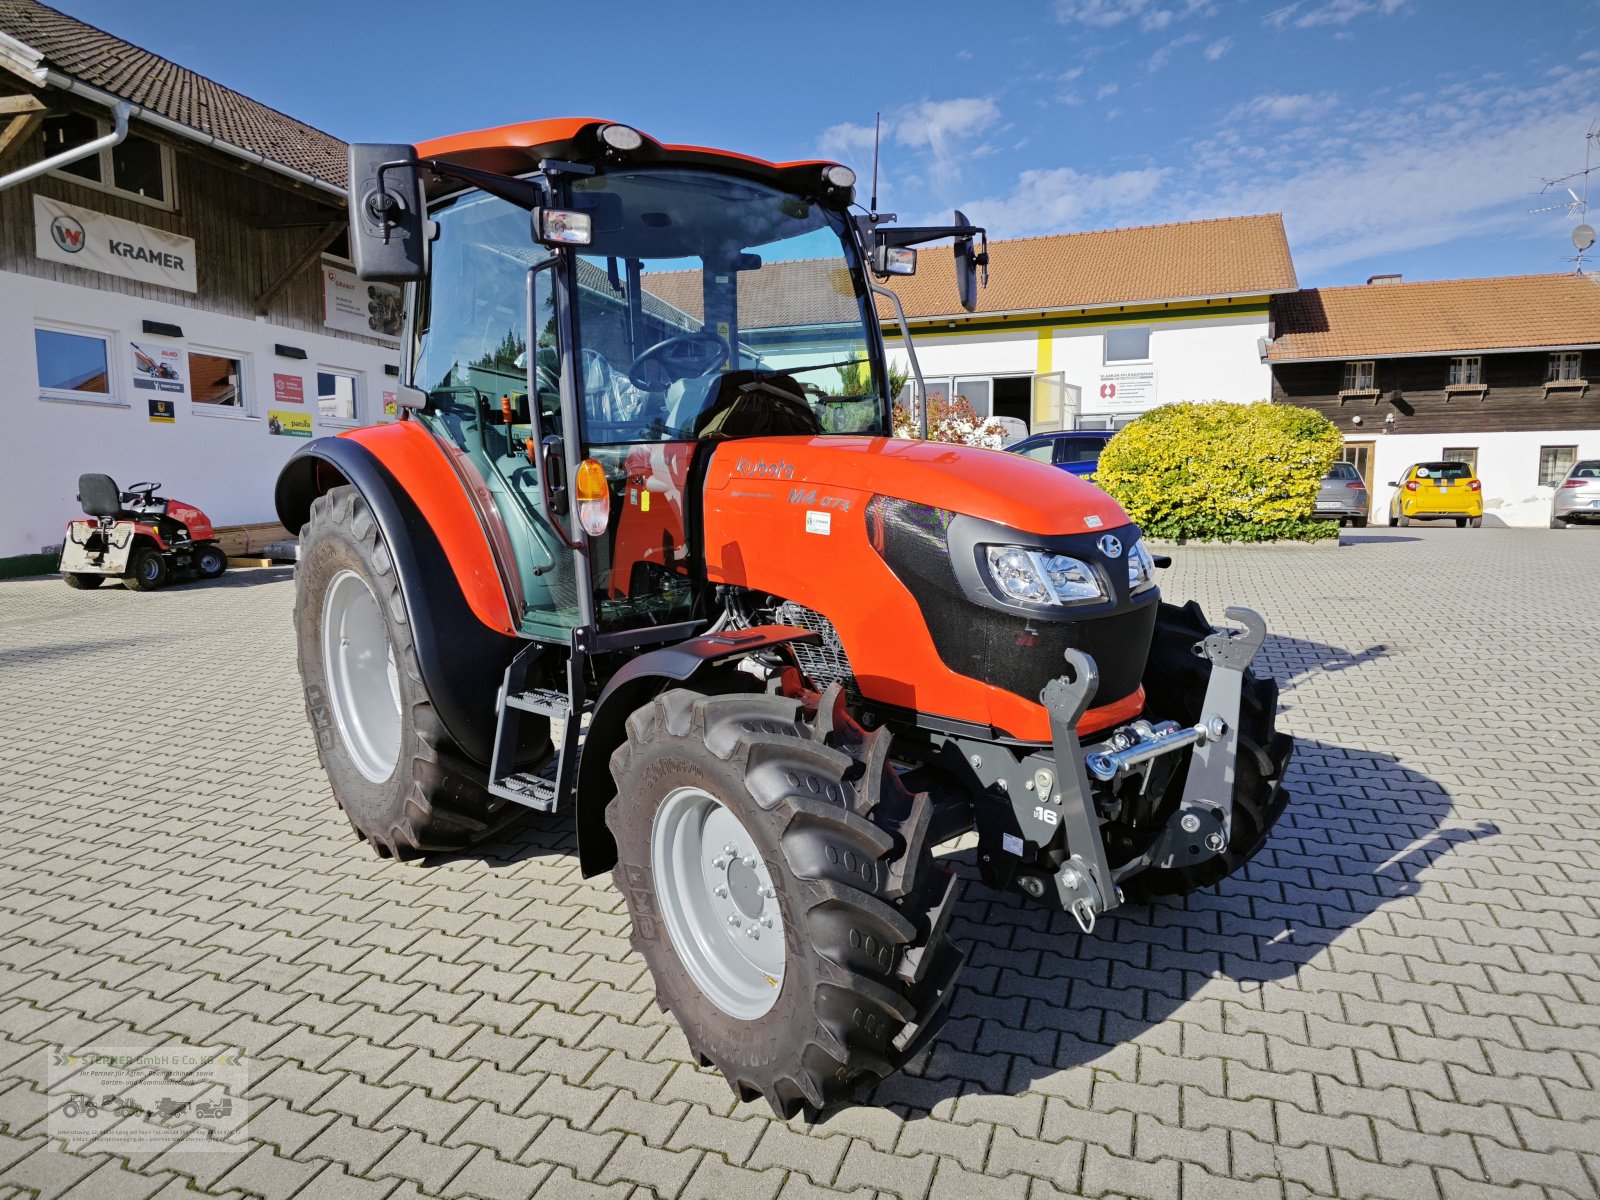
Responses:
[1436,317]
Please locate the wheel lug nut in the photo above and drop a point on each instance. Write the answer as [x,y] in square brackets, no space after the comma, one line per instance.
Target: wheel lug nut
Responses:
[766,919]
[768,892]
[733,919]
[730,849]
[753,932]
[722,891]
[720,862]
[749,860]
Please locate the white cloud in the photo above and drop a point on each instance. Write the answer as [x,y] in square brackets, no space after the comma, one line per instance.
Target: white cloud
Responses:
[1218,48]
[1273,106]
[1062,199]
[1099,14]
[1106,90]
[1158,60]
[1069,76]
[845,140]
[1301,15]
[933,122]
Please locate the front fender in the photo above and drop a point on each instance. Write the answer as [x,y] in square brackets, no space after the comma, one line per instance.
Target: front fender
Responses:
[630,689]
[462,658]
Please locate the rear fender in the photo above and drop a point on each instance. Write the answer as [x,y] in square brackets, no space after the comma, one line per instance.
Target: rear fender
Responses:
[463,657]
[629,690]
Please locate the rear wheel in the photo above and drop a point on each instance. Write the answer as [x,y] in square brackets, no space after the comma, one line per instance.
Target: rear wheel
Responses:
[782,892]
[1405,521]
[147,570]
[1393,520]
[83,582]
[210,561]
[392,768]
[1557,523]
[1461,522]
[1359,522]
[1475,522]
[1175,686]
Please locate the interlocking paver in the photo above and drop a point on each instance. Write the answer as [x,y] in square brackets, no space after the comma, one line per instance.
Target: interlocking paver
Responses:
[1401,994]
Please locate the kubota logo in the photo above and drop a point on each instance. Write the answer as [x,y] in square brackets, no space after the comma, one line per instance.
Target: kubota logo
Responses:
[67,234]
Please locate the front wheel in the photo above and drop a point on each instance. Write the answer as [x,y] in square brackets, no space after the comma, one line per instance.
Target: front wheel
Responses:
[82,582]
[210,561]
[782,893]
[385,751]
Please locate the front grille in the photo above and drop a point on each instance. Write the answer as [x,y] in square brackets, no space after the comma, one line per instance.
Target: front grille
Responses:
[824,662]
[1011,651]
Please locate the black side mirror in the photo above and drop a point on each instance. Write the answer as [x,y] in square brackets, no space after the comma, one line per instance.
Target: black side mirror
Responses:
[970,262]
[388,223]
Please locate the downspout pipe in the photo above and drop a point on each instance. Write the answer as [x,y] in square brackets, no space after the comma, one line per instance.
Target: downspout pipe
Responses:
[120,112]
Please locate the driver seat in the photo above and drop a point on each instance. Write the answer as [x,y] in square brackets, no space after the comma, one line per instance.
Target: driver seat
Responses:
[100,496]
[751,405]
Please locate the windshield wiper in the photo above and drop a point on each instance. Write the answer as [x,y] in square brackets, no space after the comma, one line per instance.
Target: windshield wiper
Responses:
[809,367]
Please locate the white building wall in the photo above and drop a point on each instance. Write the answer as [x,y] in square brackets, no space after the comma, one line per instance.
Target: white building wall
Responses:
[1212,358]
[225,464]
[1508,466]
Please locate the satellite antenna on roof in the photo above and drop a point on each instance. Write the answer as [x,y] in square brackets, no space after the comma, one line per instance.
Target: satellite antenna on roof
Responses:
[1577,208]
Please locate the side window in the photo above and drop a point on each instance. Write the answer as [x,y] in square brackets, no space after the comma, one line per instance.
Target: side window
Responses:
[1044,452]
[217,382]
[1128,345]
[74,365]
[338,395]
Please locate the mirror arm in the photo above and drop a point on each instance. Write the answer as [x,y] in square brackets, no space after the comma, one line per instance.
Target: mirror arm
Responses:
[912,235]
[523,193]
[921,393]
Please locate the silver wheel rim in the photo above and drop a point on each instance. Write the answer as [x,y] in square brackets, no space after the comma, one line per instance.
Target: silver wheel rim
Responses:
[363,684]
[717,901]
[150,569]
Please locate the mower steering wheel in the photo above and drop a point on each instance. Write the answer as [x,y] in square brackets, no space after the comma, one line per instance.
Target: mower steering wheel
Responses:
[656,353]
[142,488]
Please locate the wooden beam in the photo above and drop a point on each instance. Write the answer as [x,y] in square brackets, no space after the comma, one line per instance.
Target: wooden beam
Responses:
[324,238]
[16,134]
[22,104]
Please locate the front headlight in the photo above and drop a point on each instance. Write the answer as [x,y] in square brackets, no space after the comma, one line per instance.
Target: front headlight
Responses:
[1141,568]
[1037,577]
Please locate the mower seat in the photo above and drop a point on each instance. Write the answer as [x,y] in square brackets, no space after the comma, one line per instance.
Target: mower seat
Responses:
[100,496]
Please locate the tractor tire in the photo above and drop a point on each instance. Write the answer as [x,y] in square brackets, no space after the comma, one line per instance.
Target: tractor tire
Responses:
[1175,685]
[392,768]
[209,561]
[82,582]
[147,570]
[830,859]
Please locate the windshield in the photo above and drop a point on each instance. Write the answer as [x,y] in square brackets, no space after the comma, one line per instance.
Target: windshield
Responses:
[711,306]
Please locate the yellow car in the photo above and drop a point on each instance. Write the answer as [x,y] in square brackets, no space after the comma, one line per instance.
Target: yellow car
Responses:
[1437,490]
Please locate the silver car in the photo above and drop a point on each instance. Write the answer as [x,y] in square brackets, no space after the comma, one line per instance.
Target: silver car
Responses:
[1577,498]
[1343,496]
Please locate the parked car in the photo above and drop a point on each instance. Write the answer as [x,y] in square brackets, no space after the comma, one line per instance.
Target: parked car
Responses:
[1437,490]
[1343,496]
[1074,450]
[1577,498]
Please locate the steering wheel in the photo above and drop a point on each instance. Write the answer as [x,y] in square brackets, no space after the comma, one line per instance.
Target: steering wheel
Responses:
[145,488]
[657,355]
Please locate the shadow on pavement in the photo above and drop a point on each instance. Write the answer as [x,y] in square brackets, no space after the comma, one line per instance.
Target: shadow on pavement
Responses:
[1040,995]
[1290,658]
[1361,539]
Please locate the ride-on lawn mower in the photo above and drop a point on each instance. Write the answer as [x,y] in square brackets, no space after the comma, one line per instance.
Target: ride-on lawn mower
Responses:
[137,536]
[640,550]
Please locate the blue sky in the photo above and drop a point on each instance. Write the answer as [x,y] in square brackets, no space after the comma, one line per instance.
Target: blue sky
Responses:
[1394,135]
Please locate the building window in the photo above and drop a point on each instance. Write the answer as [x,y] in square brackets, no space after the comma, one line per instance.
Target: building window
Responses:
[1466,371]
[337,395]
[976,393]
[1359,377]
[1128,345]
[1563,366]
[134,167]
[1555,462]
[216,382]
[1462,454]
[73,366]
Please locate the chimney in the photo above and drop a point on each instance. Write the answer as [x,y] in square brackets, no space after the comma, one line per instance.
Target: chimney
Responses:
[1379,280]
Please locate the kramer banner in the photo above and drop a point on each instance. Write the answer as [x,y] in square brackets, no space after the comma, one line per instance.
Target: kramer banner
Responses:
[81,237]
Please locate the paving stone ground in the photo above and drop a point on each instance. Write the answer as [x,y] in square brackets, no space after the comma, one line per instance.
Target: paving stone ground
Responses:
[1399,998]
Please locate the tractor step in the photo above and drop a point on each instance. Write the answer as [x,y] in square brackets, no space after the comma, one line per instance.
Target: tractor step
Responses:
[546,702]
[536,790]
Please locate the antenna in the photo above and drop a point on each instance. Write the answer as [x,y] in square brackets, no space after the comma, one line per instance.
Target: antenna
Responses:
[1577,208]
[877,129]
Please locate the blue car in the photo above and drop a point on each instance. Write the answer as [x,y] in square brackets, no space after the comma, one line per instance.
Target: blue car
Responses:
[1074,450]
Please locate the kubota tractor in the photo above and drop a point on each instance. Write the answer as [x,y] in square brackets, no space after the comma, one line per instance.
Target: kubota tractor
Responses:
[640,549]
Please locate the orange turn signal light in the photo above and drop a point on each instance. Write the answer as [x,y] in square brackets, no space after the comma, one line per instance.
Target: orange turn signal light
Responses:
[591,481]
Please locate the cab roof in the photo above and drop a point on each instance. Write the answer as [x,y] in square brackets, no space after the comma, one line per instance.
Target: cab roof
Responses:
[517,149]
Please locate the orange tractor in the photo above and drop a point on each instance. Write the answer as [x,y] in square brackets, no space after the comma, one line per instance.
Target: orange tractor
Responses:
[641,549]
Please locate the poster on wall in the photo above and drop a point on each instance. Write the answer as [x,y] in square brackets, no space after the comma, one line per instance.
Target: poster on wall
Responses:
[288,423]
[288,389]
[163,412]
[1127,391]
[157,368]
[81,237]
[349,304]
